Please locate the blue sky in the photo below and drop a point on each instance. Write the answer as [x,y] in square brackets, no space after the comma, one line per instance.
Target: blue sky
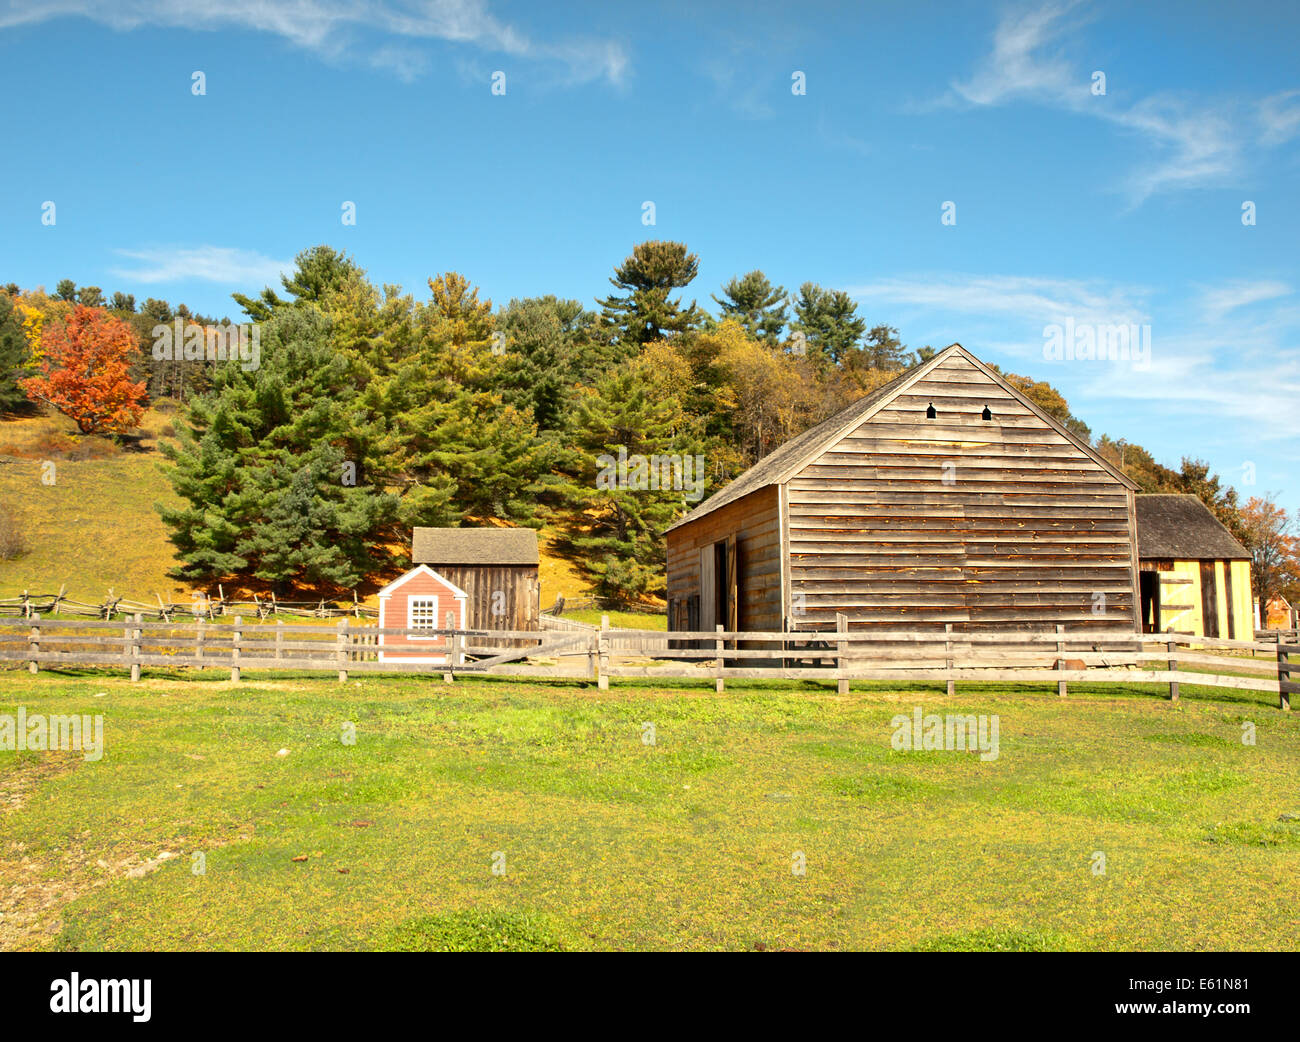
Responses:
[1117,208]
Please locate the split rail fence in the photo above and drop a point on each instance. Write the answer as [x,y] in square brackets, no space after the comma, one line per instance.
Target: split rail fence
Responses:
[839,655]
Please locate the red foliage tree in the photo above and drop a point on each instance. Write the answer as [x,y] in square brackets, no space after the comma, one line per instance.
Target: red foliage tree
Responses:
[84,372]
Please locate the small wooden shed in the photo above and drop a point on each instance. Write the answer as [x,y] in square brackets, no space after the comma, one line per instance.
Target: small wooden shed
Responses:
[421,599]
[495,567]
[1195,577]
[945,497]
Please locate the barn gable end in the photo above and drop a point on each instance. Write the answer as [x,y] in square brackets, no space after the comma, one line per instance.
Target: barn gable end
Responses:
[926,513]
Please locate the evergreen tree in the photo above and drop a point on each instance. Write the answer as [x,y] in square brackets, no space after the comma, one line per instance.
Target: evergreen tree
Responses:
[828,319]
[265,466]
[317,271]
[756,304]
[646,312]
[15,356]
[616,533]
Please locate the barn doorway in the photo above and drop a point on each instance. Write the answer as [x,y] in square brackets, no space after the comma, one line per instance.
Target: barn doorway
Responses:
[720,584]
[1150,588]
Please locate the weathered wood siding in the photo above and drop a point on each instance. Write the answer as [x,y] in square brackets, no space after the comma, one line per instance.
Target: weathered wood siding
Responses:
[913,522]
[754,521]
[518,602]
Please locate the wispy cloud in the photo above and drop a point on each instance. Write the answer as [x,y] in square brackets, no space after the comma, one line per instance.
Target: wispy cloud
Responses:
[1227,351]
[1032,300]
[221,264]
[381,33]
[1194,143]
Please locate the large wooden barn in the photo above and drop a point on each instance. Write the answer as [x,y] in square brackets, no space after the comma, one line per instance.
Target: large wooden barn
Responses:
[1195,577]
[945,496]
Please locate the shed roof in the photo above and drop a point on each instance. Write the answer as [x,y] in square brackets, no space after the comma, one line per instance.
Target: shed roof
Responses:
[485,546]
[784,462]
[1179,527]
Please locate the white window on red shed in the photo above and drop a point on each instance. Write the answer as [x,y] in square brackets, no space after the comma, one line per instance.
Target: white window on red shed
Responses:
[422,613]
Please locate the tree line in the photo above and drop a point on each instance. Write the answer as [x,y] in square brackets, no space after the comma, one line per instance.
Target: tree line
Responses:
[372,412]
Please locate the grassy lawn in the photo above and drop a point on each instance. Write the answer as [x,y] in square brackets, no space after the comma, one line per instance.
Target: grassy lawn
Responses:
[612,843]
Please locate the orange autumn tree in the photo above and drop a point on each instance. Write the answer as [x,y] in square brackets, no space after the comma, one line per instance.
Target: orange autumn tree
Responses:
[85,364]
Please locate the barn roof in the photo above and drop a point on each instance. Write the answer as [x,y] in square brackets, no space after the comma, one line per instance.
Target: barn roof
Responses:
[784,462]
[486,546]
[1182,528]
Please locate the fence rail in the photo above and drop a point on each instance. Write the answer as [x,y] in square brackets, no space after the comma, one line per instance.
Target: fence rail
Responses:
[596,654]
[201,605]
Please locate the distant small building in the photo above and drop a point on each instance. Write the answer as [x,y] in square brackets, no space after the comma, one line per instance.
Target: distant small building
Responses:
[1194,577]
[495,567]
[1279,615]
[421,599]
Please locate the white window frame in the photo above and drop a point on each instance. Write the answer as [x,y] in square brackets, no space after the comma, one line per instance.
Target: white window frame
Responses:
[423,601]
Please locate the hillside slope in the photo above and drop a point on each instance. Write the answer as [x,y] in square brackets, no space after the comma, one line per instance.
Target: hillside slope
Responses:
[96,528]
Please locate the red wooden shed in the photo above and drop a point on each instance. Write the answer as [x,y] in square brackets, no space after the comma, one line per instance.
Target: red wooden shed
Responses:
[420,599]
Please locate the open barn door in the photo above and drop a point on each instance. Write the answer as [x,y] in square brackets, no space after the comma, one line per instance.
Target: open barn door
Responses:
[732,620]
[708,588]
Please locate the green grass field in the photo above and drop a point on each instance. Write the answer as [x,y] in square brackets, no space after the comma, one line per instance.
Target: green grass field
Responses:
[609,842]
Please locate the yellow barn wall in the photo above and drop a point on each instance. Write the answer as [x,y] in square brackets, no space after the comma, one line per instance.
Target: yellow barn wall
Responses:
[1192,621]
[1243,605]
[1190,593]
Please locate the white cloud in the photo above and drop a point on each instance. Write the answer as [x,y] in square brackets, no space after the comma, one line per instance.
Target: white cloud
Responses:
[1228,352]
[221,264]
[1031,300]
[380,32]
[1194,144]
[1279,117]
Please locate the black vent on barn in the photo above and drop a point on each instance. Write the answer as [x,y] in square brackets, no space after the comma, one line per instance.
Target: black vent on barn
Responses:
[986,414]
[930,414]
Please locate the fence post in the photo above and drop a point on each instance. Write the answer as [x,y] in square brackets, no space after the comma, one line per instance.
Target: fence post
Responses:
[279,638]
[136,633]
[593,649]
[1171,647]
[34,644]
[719,683]
[947,651]
[602,654]
[198,641]
[343,650]
[237,635]
[1283,675]
[450,675]
[841,626]
[1060,657]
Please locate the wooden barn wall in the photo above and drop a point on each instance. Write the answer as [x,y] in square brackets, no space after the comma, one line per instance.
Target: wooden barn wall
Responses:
[1023,535]
[519,583]
[754,521]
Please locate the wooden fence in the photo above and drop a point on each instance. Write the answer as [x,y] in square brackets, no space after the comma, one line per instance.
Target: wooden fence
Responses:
[596,655]
[200,606]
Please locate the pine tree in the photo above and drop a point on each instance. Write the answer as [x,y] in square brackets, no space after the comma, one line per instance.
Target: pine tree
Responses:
[271,465]
[15,356]
[317,271]
[828,319]
[646,312]
[616,533]
[756,304]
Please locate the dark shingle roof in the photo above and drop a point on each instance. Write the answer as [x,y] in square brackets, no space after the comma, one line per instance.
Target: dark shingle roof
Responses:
[1182,528]
[488,546]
